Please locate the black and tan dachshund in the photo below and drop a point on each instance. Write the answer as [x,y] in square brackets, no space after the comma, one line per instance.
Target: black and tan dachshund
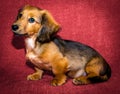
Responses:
[47,51]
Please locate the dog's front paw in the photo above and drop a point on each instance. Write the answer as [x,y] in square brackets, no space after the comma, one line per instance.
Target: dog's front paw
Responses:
[58,81]
[34,76]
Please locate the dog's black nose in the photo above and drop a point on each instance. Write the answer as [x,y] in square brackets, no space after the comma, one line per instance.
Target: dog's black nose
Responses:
[15,27]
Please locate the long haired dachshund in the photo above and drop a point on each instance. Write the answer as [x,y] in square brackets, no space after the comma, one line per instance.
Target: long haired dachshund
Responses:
[47,51]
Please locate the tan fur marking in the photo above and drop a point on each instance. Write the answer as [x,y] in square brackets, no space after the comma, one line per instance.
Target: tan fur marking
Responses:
[94,66]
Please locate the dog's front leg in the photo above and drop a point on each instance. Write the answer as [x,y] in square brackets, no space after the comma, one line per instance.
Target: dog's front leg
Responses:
[35,76]
[59,69]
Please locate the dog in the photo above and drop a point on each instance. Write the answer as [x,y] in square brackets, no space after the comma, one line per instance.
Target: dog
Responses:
[47,51]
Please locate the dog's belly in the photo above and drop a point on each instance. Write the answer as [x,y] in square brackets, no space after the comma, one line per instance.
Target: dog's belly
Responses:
[76,65]
[38,62]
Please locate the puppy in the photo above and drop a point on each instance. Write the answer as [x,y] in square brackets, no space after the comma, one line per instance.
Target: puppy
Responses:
[47,51]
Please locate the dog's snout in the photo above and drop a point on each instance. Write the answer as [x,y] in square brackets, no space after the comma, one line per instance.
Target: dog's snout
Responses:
[15,27]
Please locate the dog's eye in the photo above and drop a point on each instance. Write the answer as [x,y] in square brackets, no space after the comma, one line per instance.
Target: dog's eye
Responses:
[31,20]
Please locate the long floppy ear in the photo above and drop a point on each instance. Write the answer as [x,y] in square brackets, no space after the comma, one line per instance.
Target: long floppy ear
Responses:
[49,27]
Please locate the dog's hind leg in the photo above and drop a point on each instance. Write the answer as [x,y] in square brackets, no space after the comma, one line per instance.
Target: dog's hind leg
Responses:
[97,71]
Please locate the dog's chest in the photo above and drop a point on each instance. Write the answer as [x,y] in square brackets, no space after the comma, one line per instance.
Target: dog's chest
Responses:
[30,43]
[33,53]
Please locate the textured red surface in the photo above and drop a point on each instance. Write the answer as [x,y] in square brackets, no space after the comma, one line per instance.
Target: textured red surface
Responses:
[93,22]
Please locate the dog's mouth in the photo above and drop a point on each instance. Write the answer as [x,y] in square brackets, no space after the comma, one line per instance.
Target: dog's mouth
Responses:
[16,34]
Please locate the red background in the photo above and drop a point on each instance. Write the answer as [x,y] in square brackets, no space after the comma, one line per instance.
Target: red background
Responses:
[92,22]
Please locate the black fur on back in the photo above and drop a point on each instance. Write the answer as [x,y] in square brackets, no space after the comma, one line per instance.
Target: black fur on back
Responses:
[72,47]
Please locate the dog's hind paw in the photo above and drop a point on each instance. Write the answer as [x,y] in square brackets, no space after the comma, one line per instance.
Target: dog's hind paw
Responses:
[80,81]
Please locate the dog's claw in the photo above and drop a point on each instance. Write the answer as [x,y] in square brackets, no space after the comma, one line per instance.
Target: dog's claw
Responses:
[34,76]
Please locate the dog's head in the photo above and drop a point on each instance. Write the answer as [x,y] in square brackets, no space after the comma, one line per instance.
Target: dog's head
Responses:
[32,20]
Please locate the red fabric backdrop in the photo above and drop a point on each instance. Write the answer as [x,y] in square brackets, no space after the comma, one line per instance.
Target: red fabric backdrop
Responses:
[93,22]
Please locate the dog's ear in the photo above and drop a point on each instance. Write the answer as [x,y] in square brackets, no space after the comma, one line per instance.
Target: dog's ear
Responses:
[49,27]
